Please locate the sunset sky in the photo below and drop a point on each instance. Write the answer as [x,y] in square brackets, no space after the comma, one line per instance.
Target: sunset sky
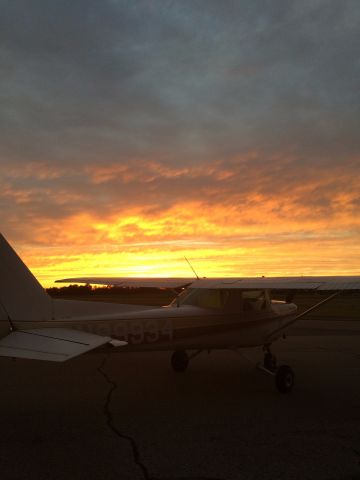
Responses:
[133,133]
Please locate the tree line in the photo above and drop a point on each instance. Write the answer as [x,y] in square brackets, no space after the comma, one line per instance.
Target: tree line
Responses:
[91,290]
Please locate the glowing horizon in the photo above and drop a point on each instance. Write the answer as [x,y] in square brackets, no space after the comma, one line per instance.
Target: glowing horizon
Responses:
[135,247]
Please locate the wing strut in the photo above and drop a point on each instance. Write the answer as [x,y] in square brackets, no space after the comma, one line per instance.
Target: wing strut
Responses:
[295,319]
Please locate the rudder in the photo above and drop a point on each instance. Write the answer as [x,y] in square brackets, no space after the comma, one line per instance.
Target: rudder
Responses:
[21,295]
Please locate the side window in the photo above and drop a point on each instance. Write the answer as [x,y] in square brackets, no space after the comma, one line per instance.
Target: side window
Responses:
[210,299]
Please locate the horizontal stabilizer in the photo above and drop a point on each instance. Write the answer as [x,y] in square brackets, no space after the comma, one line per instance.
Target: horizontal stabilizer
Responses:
[52,344]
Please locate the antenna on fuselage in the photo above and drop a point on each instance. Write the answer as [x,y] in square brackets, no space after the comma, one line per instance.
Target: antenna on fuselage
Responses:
[192,268]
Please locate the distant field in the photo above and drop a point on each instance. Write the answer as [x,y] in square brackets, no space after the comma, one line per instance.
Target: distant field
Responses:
[344,307]
[156,299]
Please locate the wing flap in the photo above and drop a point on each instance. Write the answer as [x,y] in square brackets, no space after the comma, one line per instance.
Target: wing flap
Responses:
[52,344]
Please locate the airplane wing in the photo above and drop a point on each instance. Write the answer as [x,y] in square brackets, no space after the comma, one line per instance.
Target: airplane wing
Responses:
[326,283]
[334,283]
[53,344]
[132,281]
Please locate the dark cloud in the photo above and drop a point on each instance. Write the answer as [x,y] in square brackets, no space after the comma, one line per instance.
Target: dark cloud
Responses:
[89,84]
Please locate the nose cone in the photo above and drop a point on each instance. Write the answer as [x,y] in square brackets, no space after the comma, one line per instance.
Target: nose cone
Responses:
[282,308]
[292,307]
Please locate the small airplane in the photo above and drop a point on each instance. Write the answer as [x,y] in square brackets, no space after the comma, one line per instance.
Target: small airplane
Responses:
[209,313]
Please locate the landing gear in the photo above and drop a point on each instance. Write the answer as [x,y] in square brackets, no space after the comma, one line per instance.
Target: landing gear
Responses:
[179,360]
[284,379]
[270,361]
[284,375]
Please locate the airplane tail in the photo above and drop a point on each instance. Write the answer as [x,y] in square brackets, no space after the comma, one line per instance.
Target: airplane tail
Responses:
[21,295]
[22,298]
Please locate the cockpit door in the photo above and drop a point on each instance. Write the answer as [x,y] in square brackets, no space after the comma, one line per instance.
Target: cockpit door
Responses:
[232,301]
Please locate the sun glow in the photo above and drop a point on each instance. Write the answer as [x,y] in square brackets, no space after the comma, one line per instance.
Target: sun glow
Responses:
[244,219]
[219,241]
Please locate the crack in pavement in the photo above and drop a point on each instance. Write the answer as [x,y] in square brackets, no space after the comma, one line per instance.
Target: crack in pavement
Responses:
[135,448]
[133,444]
[110,422]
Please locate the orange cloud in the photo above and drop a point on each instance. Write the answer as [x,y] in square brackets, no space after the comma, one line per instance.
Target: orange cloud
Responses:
[243,216]
[255,240]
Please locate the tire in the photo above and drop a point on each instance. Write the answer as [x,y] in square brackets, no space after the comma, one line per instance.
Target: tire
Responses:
[284,379]
[179,361]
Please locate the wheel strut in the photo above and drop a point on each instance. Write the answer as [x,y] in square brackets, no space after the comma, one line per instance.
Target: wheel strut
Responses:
[284,375]
[270,361]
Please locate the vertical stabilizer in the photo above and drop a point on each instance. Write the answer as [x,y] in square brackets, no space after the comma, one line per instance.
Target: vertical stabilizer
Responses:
[21,295]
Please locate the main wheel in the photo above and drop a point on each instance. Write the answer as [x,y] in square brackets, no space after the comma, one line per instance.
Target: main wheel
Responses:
[179,360]
[284,379]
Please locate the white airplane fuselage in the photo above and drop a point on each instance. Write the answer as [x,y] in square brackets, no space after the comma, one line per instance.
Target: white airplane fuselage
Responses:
[174,327]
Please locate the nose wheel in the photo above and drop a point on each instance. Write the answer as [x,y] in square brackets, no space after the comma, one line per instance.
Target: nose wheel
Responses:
[284,379]
[284,375]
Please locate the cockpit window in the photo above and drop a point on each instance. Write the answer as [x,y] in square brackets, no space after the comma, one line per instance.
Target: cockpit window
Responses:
[204,298]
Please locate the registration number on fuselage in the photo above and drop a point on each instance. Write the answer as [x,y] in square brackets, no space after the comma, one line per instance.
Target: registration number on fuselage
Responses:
[136,332]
